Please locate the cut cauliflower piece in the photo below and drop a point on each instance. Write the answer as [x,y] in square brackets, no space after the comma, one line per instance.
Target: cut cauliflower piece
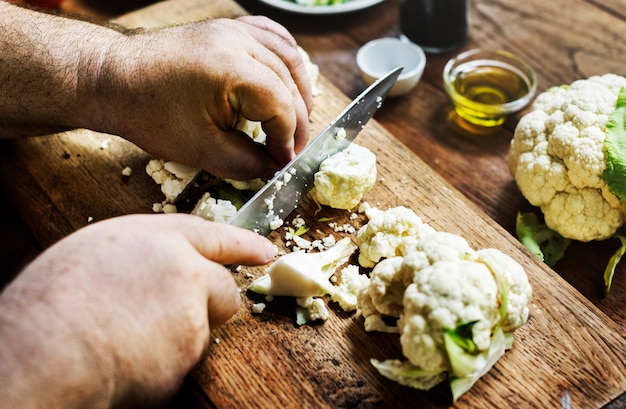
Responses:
[215,210]
[311,309]
[387,233]
[558,158]
[173,177]
[302,274]
[343,178]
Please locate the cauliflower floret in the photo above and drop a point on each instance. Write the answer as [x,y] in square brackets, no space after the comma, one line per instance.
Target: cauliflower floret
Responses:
[343,178]
[373,320]
[557,157]
[444,295]
[216,210]
[386,287]
[519,289]
[387,233]
[351,283]
[312,309]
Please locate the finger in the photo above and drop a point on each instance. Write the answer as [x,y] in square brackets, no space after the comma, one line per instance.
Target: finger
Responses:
[246,158]
[283,147]
[224,244]
[268,24]
[224,299]
[277,39]
[278,112]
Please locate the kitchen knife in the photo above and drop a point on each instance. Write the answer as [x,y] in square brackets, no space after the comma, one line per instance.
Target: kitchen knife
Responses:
[267,209]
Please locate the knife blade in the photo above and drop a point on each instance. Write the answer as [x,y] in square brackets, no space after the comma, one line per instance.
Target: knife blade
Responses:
[267,209]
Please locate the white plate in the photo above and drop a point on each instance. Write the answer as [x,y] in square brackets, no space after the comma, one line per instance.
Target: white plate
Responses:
[352,5]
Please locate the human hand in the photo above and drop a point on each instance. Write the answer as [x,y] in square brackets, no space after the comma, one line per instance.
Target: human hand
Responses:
[177,93]
[118,310]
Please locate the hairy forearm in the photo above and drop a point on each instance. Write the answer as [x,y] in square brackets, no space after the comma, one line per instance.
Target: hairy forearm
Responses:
[48,69]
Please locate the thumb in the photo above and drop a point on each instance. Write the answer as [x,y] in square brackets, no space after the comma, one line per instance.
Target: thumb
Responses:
[226,244]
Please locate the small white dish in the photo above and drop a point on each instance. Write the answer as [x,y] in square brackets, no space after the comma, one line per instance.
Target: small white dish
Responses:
[382,55]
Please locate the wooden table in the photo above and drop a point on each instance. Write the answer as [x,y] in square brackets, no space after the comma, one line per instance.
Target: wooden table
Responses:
[564,40]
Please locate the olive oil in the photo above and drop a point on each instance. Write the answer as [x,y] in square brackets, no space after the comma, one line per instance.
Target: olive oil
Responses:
[484,86]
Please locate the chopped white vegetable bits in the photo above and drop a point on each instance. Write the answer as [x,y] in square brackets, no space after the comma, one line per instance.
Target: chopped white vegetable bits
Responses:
[174,178]
[216,210]
[308,276]
[258,308]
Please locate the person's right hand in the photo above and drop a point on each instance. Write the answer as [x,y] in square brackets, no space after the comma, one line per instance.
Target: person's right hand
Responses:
[178,92]
[121,310]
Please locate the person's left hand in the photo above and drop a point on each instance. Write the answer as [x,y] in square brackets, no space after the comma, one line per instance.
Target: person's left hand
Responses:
[121,310]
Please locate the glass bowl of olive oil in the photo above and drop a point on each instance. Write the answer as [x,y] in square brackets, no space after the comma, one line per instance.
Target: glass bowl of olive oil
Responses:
[486,86]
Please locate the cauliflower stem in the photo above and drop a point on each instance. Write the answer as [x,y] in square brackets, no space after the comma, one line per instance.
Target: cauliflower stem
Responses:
[467,362]
[609,272]
[302,274]
[545,243]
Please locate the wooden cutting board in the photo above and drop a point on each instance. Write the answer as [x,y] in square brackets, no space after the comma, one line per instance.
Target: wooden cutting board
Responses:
[568,348]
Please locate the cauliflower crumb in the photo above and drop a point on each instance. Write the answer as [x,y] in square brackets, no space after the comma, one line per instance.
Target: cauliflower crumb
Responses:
[302,243]
[169,208]
[298,221]
[369,211]
[258,308]
[127,171]
[276,222]
[329,241]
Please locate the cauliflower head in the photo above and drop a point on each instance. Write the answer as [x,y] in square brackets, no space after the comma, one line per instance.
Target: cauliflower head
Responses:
[557,157]
[388,233]
[343,178]
[441,290]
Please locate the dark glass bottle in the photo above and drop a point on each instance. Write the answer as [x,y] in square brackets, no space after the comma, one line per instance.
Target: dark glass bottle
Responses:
[438,26]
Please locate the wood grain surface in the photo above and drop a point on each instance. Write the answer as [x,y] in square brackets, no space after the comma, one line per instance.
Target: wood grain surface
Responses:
[569,347]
